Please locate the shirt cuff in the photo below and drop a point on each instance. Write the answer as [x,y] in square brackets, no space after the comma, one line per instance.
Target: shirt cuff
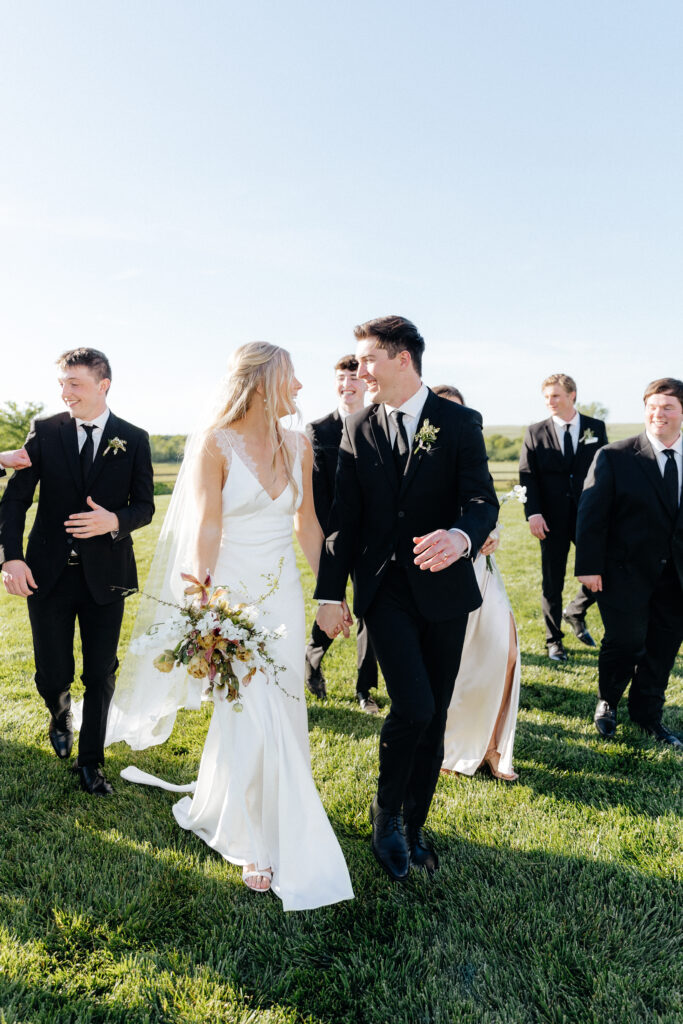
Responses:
[454,529]
[321,600]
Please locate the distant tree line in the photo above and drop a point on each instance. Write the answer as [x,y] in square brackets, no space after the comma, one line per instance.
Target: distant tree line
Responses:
[167,447]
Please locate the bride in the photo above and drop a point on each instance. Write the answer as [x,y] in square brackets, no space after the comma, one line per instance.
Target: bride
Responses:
[243,484]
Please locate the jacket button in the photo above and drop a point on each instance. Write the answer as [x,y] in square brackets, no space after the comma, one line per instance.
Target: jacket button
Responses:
[401,515]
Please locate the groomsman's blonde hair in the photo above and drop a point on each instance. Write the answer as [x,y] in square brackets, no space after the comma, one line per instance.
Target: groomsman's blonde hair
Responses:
[563,379]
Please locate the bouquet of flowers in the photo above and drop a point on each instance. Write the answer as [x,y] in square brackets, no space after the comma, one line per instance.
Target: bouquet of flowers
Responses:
[518,493]
[215,635]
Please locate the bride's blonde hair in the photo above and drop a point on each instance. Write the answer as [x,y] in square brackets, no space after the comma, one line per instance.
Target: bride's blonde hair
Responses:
[258,364]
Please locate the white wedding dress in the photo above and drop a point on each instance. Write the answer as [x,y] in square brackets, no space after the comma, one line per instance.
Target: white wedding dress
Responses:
[255,801]
[480,683]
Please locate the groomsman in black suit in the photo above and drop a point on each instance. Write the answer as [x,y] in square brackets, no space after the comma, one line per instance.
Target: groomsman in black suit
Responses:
[325,436]
[413,504]
[96,487]
[556,456]
[629,552]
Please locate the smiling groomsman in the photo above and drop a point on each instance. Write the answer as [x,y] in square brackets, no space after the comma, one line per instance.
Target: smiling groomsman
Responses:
[629,552]
[556,456]
[96,487]
[325,436]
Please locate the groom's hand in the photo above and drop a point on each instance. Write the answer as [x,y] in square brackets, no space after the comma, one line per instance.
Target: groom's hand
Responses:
[92,524]
[592,583]
[18,578]
[332,620]
[438,550]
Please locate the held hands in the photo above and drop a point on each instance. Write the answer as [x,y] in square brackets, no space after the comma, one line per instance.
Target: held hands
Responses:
[334,619]
[18,578]
[490,544]
[18,459]
[592,583]
[92,524]
[438,550]
[538,526]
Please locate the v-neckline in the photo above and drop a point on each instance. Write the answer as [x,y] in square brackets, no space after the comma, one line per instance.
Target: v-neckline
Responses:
[252,473]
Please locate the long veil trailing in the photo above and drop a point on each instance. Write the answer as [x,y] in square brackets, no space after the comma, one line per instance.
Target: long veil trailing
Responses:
[146,702]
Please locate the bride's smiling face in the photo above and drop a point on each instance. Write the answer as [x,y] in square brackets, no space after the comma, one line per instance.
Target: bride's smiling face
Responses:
[288,391]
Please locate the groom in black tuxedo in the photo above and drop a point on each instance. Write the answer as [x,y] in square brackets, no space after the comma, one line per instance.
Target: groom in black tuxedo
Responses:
[629,552]
[413,504]
[96,487]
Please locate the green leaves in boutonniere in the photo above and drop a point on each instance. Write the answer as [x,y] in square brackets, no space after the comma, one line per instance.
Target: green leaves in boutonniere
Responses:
[426,437]
[115,445]
[588,437]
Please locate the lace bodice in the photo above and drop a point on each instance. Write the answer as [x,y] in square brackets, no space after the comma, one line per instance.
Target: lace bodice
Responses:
[231,443]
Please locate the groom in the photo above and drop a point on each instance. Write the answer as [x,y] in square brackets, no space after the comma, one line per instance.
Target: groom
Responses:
[413,504]
[96,487]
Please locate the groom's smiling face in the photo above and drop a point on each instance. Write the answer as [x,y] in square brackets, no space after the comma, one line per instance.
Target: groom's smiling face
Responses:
[83,394]
[386,377]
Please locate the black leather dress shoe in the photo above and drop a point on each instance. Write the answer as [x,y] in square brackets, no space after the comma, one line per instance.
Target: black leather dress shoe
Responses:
[389,843]
[662,734]
[605,719]
[422,854]
[578,627]
[93,780]
[61,735]
[556,651]
[314,680]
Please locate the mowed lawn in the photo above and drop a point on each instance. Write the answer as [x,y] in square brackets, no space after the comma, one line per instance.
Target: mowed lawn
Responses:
[557,900]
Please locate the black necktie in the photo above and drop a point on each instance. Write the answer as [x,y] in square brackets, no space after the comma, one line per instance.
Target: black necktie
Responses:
[401,448]
[568,446]
[671,481]
[87,451]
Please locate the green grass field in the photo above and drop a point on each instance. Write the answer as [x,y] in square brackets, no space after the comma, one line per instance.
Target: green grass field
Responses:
[558,900]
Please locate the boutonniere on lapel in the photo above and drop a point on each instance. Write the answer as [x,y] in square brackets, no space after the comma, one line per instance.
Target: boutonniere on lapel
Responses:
[588,437]
[115,445]
[426,437]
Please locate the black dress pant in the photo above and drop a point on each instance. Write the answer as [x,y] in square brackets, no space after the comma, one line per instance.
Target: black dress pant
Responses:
[320,643]
[554,553]
[639,647]
[53,621]
[420,660]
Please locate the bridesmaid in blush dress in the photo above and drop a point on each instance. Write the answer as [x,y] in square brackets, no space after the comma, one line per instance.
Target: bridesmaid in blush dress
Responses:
[482,717]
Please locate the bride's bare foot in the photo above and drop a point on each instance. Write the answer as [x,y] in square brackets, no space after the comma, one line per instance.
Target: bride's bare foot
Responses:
[258,881]
[492,761]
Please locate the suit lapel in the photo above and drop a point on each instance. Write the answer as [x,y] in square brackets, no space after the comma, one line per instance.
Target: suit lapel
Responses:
[379,428]
[429,412]
[107,434]
[648,463]
[69,438]
[551,435]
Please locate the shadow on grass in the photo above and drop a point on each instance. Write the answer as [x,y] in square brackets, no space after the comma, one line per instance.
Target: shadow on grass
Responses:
[131,920]
[346,721]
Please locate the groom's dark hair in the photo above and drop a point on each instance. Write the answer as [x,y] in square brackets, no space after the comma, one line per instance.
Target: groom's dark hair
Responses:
[665,386]
[395,334]
[96,361]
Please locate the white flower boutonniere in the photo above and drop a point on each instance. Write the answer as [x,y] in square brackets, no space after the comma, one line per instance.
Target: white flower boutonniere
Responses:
[115,445]
[588,437]
[426,437]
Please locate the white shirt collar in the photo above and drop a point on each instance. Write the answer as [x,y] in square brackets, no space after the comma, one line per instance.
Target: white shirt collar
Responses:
[676,447]
[99,421]
[413,406]
[559,422]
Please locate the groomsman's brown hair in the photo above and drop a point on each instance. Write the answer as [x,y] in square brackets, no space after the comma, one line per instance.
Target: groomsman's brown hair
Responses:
[95,360]
[665,386]
[563,379]
[395,334]
[346,363]
[449,391]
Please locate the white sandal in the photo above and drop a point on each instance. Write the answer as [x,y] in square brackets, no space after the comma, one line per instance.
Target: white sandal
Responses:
[263,873]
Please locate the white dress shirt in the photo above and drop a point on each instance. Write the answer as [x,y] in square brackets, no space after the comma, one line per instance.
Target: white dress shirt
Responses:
[560,430]
[676,448]
[99,425]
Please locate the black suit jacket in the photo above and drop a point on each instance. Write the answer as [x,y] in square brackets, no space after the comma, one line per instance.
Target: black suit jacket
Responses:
[625,530]
[553,489]
[122,483]
[374,514]
[325,436]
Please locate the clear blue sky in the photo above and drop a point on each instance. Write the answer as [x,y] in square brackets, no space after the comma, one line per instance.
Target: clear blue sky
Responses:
[178,178]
